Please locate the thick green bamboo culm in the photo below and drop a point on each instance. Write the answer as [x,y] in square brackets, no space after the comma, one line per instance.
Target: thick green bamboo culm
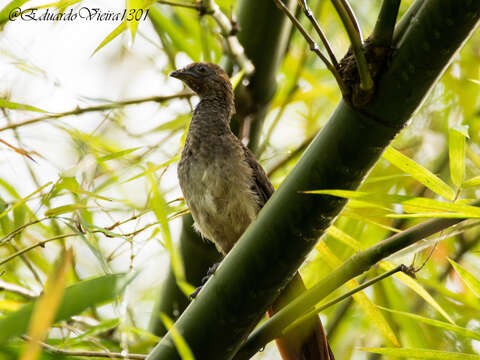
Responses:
[272,249]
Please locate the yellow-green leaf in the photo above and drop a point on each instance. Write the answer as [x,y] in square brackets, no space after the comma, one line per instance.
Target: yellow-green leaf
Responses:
[472,182]
[412,353]
[419,173]
[472,282]
[17,106]
[180,343]
[371,311]
[407,280]
[5,13]
[64,209]
[117,31]
[441,324]
[456,151]
[46,307]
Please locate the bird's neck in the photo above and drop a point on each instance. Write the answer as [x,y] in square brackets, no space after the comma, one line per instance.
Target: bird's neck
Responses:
[214,111]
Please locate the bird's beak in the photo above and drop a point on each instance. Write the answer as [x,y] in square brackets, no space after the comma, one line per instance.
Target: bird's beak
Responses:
[182,74]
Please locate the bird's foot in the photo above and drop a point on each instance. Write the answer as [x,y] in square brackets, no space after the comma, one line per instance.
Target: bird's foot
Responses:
[210,272]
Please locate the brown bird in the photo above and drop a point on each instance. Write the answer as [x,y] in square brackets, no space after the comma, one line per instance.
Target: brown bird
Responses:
[223,184]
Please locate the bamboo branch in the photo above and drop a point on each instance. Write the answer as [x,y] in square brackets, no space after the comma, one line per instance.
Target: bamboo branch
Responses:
[309,14]
[17,289]
[313,46]
[195,6]
[234,48]
[103,107]
[97,354]
[383,32]
[354,33]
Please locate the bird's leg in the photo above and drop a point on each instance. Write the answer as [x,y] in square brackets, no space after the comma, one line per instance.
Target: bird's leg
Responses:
[210,272]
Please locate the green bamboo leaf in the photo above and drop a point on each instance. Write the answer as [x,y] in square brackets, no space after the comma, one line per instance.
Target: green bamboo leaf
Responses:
[472,182]
[76,299]
[64,209]
[160,209]
[17,106]
[164,25]
[117,154]
[46,307]
[441,324]
[419,173]
[237,78]
[153,168]
[117,31]
[180,343]
[456,151]
[413,353]
[136,11]
[6,11]
[409,203]
[23,200]
[472,282]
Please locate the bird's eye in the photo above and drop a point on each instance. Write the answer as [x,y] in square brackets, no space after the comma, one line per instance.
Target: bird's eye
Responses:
[202,69]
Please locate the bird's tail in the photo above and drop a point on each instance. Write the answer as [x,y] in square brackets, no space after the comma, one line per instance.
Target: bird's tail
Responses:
[306,341]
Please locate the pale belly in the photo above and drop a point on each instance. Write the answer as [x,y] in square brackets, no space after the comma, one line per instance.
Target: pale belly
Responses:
[220,199]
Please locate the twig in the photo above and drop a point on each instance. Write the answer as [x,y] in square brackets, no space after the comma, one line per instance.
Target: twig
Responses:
[402,268]
[353,31]
[17,289]
[313,46]
[407,18]
[37,244]
[102,107]
[103,354]
[14,232]
[321,34]
[234,47]
[383,32]
[196,5]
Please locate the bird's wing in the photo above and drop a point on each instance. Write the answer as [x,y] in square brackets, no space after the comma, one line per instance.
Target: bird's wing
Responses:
[261,185]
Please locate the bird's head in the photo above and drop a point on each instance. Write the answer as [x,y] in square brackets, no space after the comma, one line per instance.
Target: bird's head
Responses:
[206,79]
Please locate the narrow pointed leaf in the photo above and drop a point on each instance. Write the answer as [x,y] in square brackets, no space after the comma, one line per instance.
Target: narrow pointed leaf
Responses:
[76,299]
[409,353]
[419,173]
[456,151]
[46,308]
[472,282]
[17,106]
[441,324]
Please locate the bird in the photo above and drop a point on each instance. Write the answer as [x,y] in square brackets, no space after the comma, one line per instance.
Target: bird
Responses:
[222,182]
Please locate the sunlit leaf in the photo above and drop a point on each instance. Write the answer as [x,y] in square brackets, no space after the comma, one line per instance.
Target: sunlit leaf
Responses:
[76,299]
[419,173]
[456,151]
[407,280]
[472,282]
[7,10]
[441,324]
[411,353]
[46,307]
[117,154]
[117,31]
[180,343]
[367,306]
[17,106]
[64,209]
